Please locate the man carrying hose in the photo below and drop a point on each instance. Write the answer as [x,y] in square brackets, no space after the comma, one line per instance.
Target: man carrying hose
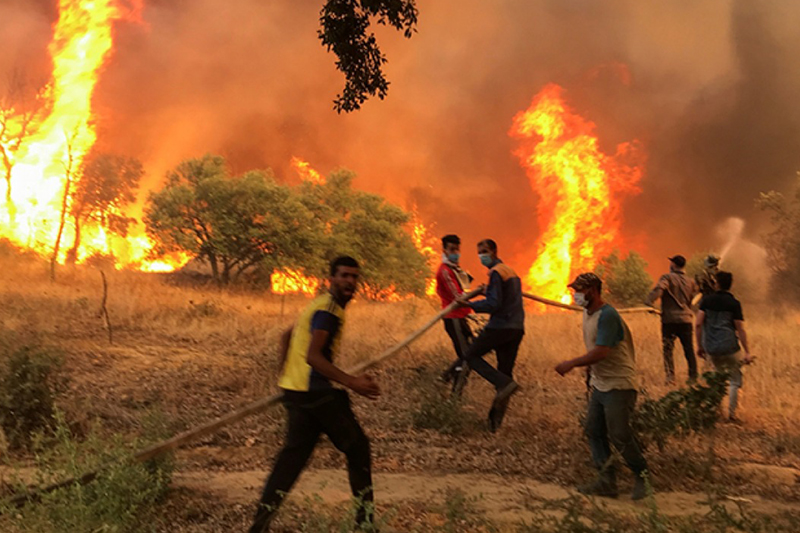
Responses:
[503,333]
[611,358]
[676,291]
[314,406]
[451,282]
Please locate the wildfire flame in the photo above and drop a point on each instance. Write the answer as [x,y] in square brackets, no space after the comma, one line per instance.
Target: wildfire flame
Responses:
[305,171]
[579,186]
[49,162]
[425,244]
[289,281]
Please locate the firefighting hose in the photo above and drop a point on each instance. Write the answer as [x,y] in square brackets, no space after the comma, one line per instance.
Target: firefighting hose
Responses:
[262,405]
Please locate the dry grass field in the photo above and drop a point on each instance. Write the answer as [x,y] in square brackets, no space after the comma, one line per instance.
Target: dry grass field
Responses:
[191,354]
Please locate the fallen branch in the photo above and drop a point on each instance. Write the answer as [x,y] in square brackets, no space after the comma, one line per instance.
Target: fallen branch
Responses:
[210,427]
[555,303]
[103,312]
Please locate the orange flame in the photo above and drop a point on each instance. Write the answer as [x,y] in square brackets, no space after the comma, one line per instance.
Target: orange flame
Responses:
[52,155]
[307,173]
[579,187]
[426,245]
[289,281]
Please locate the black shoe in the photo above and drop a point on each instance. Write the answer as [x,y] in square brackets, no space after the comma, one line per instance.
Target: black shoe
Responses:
[505,393]
[600,487]
[639,489]
[448,375]
[460,380]
[497,414]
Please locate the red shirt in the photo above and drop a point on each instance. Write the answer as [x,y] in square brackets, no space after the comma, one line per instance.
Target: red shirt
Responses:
[449,288]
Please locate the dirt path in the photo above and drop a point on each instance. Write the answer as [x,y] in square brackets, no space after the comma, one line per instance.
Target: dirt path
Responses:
[502,500]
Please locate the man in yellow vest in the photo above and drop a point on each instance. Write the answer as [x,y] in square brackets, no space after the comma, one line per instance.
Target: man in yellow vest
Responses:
[314,405]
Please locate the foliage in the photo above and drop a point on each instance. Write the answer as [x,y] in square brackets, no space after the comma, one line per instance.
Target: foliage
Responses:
[28,386]
[107,184]
[365,226]
[118,499]
[692,408]
[233,223]
[440,411]
[625,281]
[783,242]
[344,31]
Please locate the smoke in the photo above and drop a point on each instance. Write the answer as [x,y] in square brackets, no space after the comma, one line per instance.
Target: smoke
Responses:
[709,90]
[746,259]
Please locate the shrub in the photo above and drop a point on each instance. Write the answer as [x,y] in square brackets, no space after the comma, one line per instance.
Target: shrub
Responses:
[28,386]
[626,281]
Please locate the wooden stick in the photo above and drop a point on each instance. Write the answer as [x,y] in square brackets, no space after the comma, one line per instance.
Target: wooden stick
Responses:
[210,427]
[554,303]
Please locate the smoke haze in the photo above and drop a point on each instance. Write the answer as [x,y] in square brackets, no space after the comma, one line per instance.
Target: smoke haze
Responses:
[709,90]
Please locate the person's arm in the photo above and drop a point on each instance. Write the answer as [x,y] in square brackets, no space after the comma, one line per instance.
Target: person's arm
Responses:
[595,355]
[494,296]
[363,384]
[450,285]
[286,337]
[657,291]
[742,334]
[698,333]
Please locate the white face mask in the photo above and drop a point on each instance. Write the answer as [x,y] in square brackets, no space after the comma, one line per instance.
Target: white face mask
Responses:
[580,299]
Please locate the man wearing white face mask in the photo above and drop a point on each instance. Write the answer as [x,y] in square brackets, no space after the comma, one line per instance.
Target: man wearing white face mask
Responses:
[451,282]
[611,358]
[503,333]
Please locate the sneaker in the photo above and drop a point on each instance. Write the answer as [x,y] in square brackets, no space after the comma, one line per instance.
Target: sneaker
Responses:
[639,489]
[599,487]
[460,380]
[505,393]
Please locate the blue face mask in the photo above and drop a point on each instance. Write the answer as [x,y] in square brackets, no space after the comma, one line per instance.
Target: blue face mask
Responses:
[453,258]
[486,259]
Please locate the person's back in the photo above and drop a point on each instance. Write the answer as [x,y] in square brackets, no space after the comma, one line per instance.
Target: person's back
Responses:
[721,310]
[676,298]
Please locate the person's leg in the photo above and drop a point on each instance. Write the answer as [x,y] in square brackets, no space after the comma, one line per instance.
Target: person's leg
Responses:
[340,424]
[506,358]
[302,436]
[685,335]
[464,338]
[619,406]
[450,326]
[668,344]
[597,434]
[487,341]
[733,388]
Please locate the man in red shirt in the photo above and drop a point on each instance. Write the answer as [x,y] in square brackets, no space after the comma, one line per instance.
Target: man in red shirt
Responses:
[451,282]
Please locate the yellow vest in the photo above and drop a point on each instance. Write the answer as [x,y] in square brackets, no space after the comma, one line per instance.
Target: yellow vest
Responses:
[297,374]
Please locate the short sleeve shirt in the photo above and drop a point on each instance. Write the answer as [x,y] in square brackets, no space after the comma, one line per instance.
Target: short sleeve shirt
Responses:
[322,314]
[719,327]
[605,327]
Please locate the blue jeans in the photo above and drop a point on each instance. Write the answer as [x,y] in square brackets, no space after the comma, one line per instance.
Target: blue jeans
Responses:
[609,419]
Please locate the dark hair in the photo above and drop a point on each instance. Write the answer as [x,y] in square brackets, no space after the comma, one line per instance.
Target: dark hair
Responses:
[724,280]
[343,260]
[450,239]
[490,244]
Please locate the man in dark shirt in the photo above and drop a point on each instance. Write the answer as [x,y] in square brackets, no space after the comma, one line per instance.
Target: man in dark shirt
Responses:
[313,405]
[503,333]
[721,335]
[676,291]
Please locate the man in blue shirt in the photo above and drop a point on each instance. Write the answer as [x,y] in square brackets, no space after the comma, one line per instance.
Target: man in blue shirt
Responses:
[611,360]
[503,333]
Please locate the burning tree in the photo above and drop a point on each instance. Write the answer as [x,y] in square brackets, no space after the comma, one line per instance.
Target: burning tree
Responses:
[107,184]
[20,107]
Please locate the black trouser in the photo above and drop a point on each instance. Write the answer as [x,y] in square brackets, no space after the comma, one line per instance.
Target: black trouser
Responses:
[609,418]
[461,335]
[683,331]
[309,415]
[505,343]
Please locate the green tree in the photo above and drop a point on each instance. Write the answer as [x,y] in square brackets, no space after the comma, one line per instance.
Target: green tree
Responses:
[106,185]
[365,226]
[233,223]
[783,242]
[626,281]
[345,25]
